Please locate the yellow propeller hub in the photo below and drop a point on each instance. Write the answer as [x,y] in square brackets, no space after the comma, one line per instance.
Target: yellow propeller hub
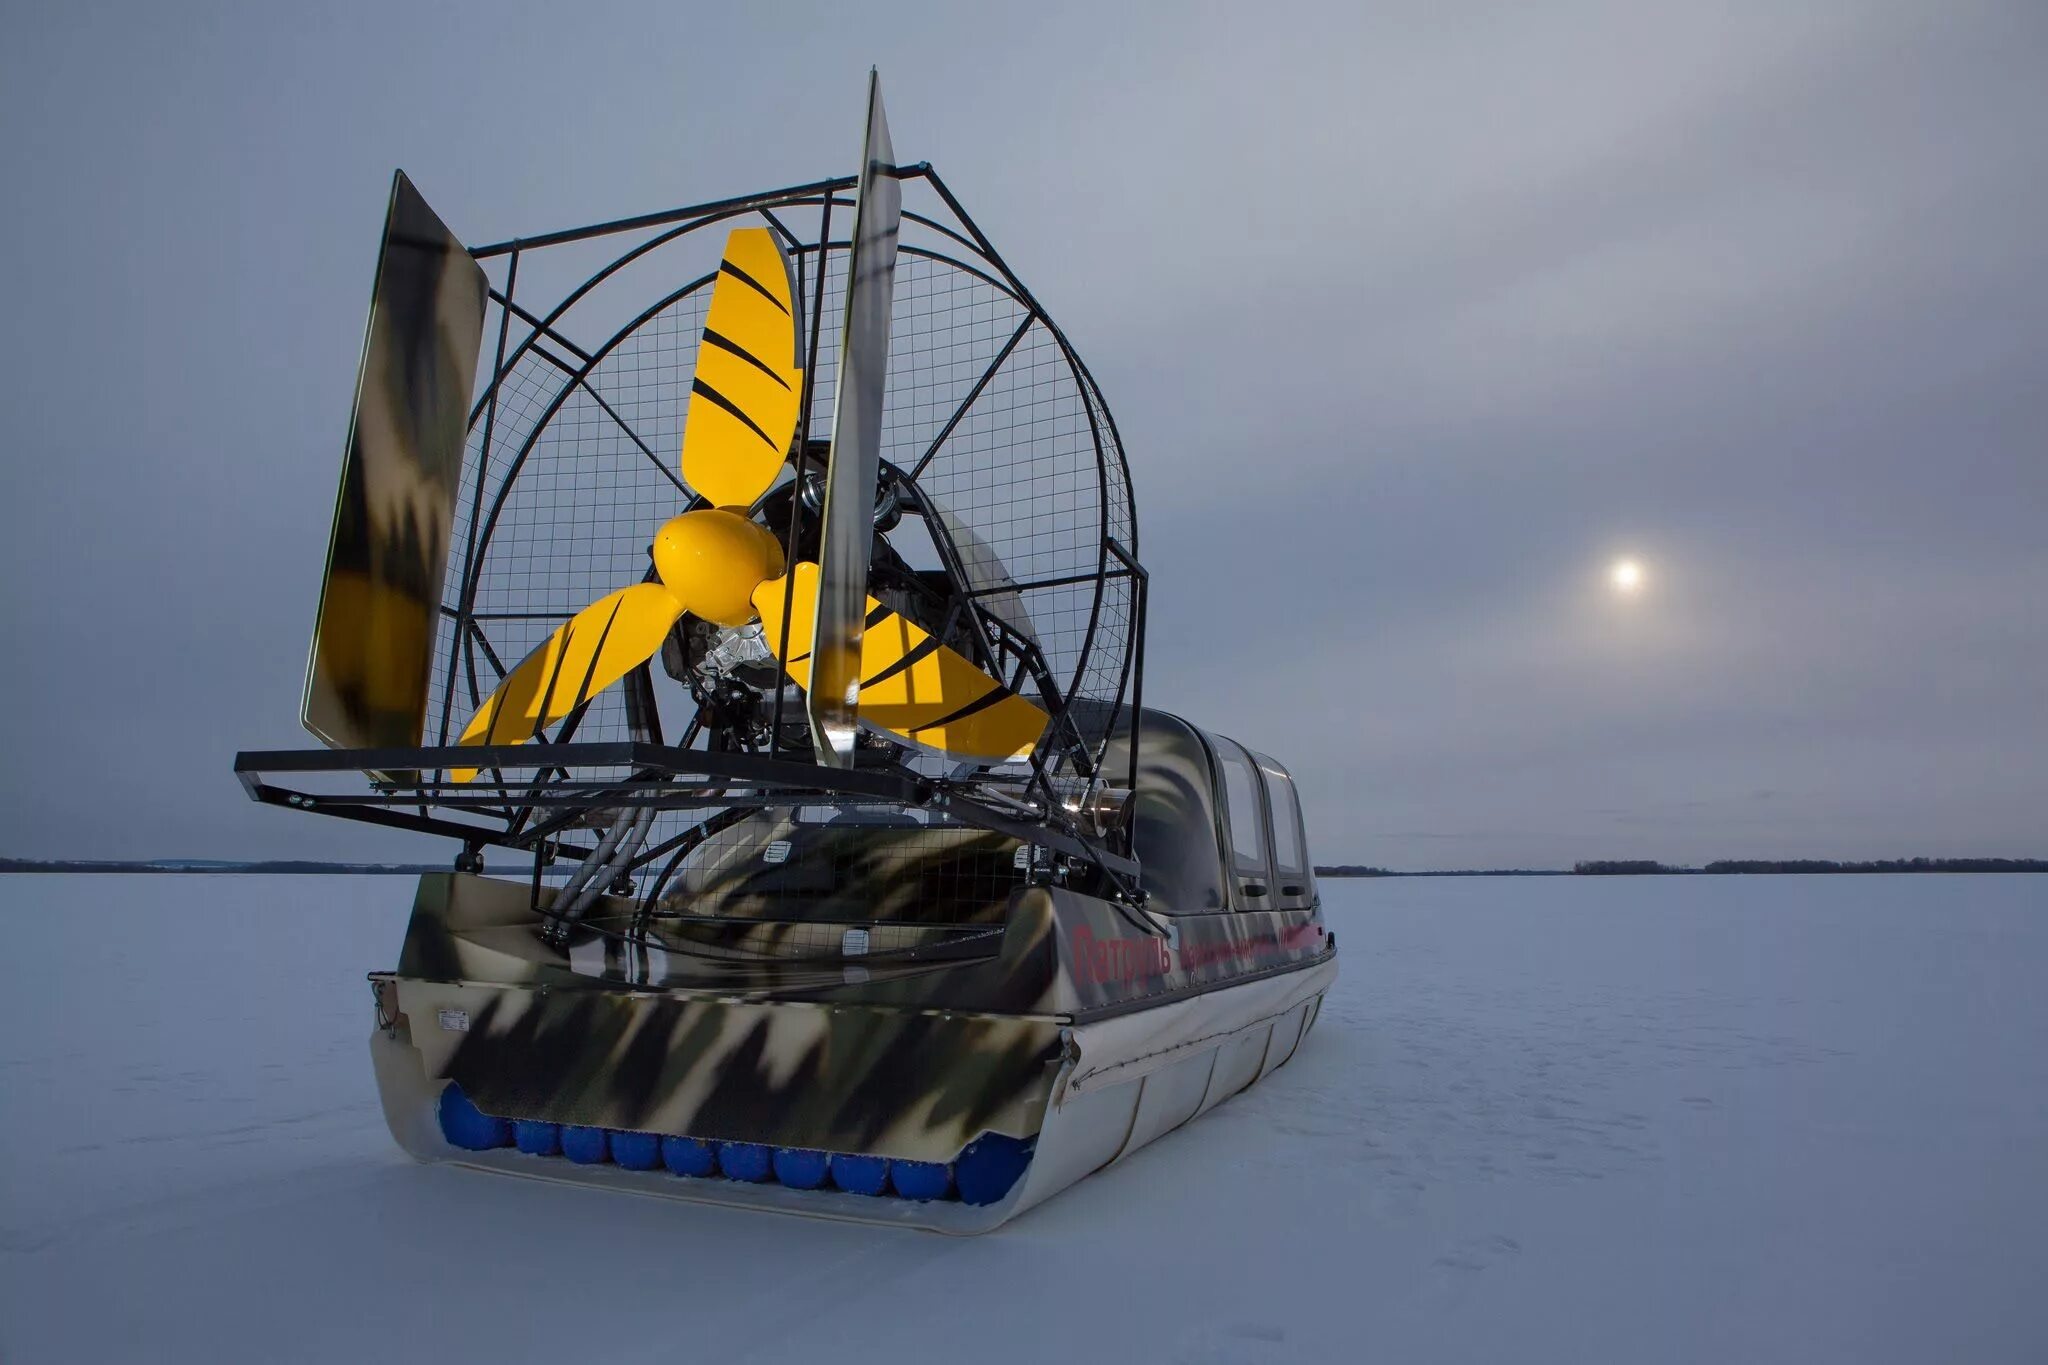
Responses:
[711,560]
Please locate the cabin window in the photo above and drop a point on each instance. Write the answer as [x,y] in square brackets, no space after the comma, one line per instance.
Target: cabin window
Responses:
[1246,814]
[1290,839]
[1176,822]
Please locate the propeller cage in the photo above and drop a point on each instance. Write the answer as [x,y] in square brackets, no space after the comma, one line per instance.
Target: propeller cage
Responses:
[1005,520]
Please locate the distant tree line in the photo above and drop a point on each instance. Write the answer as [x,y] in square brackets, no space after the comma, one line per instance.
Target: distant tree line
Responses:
[1619,867]
[1361,870]
[1613,867]
[1881,865]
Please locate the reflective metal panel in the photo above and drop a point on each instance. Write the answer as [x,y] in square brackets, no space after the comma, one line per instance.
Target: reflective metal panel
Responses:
[856,460]
[366,680]
[986,574]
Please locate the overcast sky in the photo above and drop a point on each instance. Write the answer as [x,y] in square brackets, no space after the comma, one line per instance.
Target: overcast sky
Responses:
[1414,318]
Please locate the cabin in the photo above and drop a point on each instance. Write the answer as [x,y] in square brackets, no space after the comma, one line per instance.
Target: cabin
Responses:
[1215,825]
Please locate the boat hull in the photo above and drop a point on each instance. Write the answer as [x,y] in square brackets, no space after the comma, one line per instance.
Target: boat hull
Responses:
[1112,1082]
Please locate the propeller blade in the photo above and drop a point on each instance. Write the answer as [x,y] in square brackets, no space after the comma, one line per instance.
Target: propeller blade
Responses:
[847,537]
[591,651]
[745,395]
[910,684]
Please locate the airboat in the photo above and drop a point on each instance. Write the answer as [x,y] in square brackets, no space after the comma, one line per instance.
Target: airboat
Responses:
[787,633]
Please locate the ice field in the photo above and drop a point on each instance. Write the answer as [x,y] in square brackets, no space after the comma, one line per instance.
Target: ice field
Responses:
[1564,1119]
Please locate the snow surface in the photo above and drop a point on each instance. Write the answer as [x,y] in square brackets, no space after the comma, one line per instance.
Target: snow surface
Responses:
[1567,1119]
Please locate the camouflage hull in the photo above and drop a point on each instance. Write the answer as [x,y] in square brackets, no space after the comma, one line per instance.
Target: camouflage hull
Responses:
[1092,1040]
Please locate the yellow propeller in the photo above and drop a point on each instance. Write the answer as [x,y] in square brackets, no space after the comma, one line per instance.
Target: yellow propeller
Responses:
[746,394]
[910,684]
[719,564]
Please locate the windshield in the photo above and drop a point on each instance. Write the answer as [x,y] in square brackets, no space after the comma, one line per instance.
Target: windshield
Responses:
[845,865]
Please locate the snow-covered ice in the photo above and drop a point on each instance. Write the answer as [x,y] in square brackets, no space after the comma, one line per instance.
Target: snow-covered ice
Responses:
[1568,1119]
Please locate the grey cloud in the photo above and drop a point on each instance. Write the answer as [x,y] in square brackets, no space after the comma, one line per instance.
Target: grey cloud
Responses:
[1411,316]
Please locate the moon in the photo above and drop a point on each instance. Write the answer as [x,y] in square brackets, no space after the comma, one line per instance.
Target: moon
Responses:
[1627,577]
